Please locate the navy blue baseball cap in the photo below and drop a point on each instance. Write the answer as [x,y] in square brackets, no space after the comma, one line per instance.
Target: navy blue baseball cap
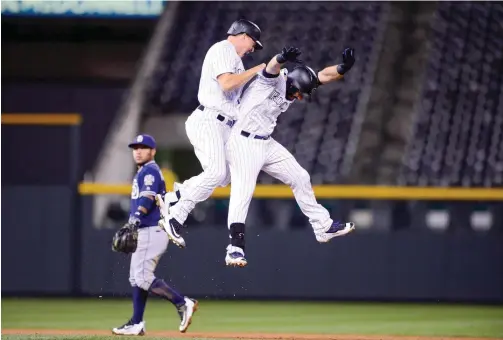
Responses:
[145,140]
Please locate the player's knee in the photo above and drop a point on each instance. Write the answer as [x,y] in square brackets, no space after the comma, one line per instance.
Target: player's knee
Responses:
[304,177]
[226,181]
[216,175]
[301,179]
[144,281]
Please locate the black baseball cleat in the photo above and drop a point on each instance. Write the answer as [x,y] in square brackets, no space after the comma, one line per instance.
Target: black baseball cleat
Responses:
[168,223]
[172,228]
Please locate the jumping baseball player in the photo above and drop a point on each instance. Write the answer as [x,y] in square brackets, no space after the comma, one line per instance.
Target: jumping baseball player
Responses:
[208,127]
[250,147]
[146,240]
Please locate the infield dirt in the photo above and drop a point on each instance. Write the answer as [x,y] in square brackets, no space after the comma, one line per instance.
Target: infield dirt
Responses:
[216,335]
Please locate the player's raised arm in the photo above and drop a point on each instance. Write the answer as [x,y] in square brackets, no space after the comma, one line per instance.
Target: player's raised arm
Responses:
[232,81]
[287,54]
[336,72]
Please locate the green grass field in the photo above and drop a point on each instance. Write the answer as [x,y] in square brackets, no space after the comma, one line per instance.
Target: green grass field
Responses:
[256,317]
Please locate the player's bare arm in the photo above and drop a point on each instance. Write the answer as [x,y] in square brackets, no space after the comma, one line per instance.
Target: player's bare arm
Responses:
[232,81]
[329,74]
[336,72]
[273,66]
[287,54]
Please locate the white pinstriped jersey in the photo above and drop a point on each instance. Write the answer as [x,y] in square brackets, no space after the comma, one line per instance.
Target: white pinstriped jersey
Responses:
[220,58]
[261,104]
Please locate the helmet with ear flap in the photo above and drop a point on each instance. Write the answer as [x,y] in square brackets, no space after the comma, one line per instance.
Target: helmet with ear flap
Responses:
[303,79]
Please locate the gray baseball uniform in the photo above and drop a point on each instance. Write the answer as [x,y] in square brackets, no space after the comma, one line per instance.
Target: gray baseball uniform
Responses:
[152,240]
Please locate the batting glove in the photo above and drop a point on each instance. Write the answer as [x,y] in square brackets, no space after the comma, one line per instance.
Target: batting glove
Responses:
[348,59]
[289,54]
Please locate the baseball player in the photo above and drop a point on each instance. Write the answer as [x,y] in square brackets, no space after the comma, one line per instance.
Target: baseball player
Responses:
[250,147]
[146,240]
[208,127]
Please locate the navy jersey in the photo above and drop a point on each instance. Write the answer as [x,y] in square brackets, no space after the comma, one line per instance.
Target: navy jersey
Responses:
[148,181]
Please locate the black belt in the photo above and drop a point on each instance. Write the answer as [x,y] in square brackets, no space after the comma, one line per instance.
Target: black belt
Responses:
[247,134]
[221,118]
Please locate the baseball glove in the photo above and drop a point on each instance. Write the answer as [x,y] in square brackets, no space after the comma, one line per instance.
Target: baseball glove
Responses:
[125,239]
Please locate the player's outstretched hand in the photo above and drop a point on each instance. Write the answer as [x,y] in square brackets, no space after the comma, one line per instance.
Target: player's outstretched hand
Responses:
[348,60]
[348,57]
[289,54]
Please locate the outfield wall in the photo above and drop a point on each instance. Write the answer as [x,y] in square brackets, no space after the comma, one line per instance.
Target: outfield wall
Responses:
[406,262]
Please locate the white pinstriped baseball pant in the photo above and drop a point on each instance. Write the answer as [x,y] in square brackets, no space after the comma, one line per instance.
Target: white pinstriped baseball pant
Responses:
[208,135]
[247,156]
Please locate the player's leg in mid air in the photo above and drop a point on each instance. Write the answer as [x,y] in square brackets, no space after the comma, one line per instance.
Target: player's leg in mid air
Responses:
[281,165]
[208,135]
[246,157]
[174,196]
[152,243]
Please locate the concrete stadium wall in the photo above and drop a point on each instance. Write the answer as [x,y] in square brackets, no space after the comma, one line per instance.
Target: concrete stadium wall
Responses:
[405,264]
[97,103]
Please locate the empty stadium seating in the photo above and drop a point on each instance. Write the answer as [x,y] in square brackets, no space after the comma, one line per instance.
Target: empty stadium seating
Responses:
[457,135]
[458,132]
[319,133]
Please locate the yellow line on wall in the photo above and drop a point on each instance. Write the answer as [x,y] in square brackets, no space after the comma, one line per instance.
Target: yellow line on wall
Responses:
[332,192]
[41,119]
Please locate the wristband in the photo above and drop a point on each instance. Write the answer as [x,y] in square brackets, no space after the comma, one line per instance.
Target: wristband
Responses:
[268,75]
[280,59]
[146,203]
[342,68]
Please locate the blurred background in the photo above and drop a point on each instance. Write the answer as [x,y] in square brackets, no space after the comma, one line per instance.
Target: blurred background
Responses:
[421,108]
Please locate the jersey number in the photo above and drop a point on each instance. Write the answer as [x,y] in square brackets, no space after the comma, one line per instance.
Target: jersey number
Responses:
[135,192]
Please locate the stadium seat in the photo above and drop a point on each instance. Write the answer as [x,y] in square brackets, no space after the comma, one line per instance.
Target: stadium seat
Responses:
[317,133]
[458,139]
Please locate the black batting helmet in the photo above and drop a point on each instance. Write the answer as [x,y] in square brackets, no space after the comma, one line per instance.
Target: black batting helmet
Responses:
[248,27]
[303,79]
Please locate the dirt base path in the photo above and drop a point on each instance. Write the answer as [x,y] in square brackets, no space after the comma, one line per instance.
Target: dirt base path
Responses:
[216,335]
